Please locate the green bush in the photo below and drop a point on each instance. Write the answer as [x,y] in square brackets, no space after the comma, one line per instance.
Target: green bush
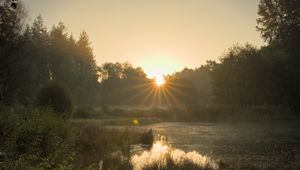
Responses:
[35,139]
[57,96]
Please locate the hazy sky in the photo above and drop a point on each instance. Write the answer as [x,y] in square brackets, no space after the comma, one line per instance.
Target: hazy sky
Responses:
[159,35]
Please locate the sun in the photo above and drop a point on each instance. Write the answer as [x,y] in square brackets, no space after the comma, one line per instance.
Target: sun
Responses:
[159,80]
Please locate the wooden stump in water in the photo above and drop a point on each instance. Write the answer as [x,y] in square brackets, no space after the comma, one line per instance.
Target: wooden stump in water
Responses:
[147,138]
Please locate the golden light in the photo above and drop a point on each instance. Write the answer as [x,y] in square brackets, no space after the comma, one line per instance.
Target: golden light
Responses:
[157,65]
[158,92]
[136,122]
[159,80]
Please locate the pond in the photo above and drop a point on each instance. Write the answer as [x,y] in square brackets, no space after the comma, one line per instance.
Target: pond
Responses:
[251,142]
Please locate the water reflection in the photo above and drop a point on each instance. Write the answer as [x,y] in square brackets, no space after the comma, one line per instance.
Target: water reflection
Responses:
[163,155]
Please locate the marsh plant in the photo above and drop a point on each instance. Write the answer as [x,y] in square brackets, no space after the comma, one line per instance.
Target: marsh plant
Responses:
[164,156]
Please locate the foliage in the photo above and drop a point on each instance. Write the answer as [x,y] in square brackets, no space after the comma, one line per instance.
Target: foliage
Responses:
[35,139]
[11,43]
[245,76]
[279,20]
[56,96]
[119,81]
[31,56]
[236,80]
[182,88]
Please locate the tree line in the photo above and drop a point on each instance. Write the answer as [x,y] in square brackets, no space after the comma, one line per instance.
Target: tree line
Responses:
[245,75]
[270,75]
[31,56]
[248,76]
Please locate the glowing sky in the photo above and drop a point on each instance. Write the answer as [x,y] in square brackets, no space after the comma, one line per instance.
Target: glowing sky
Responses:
[159,35]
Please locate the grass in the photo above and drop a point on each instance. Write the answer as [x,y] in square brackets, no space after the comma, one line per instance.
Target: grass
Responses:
[96,144]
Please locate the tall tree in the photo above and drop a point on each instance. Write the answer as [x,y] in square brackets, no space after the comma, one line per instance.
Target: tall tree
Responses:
[35,65]
[279,20]
[62,59]
[237,78]
[87,76]
[11,26]
[279,24]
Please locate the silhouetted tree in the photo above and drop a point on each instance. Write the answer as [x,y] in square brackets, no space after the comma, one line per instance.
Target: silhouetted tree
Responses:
[57,96]
[200,80]
[182,89]
[35,64]
[279,20]
[11,26]
[237,78]
[87,85]
[279,24]
[121,82]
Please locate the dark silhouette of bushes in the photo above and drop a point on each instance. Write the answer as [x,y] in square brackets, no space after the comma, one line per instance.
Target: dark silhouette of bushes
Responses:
[57,96]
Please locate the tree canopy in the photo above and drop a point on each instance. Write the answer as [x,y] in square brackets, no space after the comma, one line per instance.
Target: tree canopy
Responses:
[246,76]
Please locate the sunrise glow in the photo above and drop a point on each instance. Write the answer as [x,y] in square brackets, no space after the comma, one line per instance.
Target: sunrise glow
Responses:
[159,80]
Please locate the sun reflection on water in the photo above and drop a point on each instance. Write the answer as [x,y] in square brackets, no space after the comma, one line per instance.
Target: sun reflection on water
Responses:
[162,153]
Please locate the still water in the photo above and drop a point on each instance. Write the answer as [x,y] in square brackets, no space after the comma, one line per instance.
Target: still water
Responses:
[250,142]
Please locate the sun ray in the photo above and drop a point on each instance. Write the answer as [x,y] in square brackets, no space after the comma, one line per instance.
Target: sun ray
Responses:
[166,97]
[143,89]
[151,92]
[172,97]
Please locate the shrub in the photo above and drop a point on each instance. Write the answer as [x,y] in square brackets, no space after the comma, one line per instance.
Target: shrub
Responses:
[35,139]
[57,96]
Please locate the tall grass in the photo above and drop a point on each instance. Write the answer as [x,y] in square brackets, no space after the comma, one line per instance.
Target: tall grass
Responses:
[109,147]
[164,156]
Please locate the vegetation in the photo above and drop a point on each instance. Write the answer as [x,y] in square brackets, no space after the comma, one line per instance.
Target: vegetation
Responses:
[31,56]
[111,146]
[44,74]
[56,96]
[245,76]
[33,138]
